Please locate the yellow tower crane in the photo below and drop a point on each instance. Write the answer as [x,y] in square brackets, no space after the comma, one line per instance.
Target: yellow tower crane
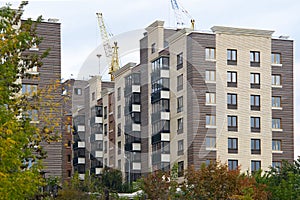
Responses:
[179,12]
[110,53]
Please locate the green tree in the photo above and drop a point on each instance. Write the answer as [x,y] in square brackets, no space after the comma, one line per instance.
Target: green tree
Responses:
[19,139]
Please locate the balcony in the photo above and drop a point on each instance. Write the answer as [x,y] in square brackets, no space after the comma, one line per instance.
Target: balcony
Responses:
[98,154]
[136,166]
[78,161]
[81,144]
[136,108]
[157,158]
[160,95]
[160,116]
[131,89]
[98,120]
[132,127]
[162,73]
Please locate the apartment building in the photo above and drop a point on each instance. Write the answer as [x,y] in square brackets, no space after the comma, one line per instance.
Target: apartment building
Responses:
[197,97]
[45,79]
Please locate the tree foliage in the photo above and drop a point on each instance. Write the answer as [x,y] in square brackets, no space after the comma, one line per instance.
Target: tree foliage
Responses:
[19,139]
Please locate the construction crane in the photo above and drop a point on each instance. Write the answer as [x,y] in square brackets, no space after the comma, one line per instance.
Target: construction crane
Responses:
[110,53]
[179,12]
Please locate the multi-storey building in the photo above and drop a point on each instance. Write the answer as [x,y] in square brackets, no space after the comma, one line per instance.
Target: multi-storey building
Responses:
[198,97]
[48,77]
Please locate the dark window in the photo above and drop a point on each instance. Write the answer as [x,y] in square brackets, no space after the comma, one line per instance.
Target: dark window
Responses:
[179,104]
[105,148]
[119,94]
[105,112]
[153,47]
[78,91]
[179,82]
[255,146]
[69,158]
[232,123]
[119,111]
[232,145]
[255,80]
[180,148]
[254,58]
[119,129]
[180,125]
[231,101]
[255,165]
[276,58]
[255,102]
[231,79]
[136,98]
[179,61]
[255,124]
[231,57]
[180,168]
[232,164]
[119,148]
[69,173]
[105,129]
[93,96]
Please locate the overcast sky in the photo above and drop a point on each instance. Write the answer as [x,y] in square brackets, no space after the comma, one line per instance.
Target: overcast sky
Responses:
[81,35]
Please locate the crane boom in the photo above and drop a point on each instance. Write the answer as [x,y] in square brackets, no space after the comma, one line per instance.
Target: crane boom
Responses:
[179,11]
[104,36]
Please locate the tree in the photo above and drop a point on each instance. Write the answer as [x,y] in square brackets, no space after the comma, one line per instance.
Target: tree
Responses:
[19,139]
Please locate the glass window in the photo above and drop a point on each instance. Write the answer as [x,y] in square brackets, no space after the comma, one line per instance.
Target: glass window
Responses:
[180,168]
[276,145]
[255,122]
[231,54]
[119,148]
[233,143]
[255,78]
[210,75]
[231,77]
[119,130]
[276,164]
[255,144]
[33,115]
[255,165]
[255,100]
[180,147]
[119,111]
[210,98]
[180,125]
[179,82]
[232,99]
[210,120]
[153,47]
[232,164]
[180,104]
[276,102]
[254,56]
[179,59]
[29,89]
[276,58]
[119,94]
[210,54]
[276,123]
[232,121]
[210,142]
[276,80]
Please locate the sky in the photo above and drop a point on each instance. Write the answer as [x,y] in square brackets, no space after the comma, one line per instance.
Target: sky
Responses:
[81,35]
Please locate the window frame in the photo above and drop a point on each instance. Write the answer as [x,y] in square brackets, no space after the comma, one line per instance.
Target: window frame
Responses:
[179,104]
[254,58]
[255,146]
[255,80]
[255,165]
[231,57]
[231,79]
[180,125]
[233,164]
[276,145]
[276,127]
[210,143]
[232,123]
[274,101]
[211,119]
[275,58]
[179,60]
[232,145]
[276,80]
[179,82]
[210,54]
[230,102]
[256,125]
[180,147]
[209,74]
[210,98]
[255,102]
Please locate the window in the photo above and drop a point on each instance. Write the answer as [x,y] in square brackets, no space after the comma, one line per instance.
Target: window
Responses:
[254,58]
[255,102]
[119,111]
[232,145]
[276,123]
[179,104]
[105,112]
[119,130]
[255,80]
[210,143]
[231,101]
[179,61]
[119,94]
[231,57]
[69,158]
[33,115]
[276,80]
[105,129]
[232,123]
[231,79]
[255,124]
[119,148]
[276,58]
[232,164]
[69,173]
[276,164]
[276,145]
[153,47]
[179,82]
[180,168]
[180,125]
[119,164]
[210,75]
[210,98]
[78,91]
[255,146]
[255,165]
[276,102]
[180,147]
[210,54]
[29,89]
[105,147]
[210,120]
[93,96]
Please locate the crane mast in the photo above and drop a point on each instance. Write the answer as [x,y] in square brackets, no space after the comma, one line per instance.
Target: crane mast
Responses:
[110,53]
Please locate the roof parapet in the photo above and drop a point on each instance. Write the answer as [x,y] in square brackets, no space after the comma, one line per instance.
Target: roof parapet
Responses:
[241,31]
